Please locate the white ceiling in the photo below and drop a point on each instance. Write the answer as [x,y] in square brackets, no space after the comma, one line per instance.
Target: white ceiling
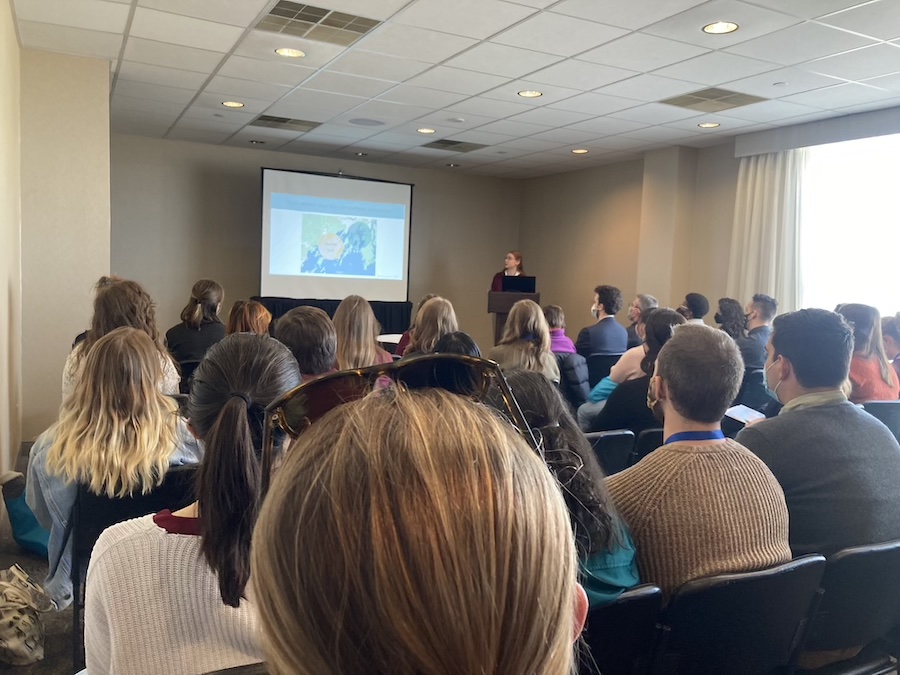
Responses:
[457,66]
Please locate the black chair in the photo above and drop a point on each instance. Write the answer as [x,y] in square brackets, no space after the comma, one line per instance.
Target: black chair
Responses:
[599,366]
[92,514]
[861,603]
[752,622]
[888,412]
[647,441]
[612,448]
[187,369]
[251,669]
[619,637]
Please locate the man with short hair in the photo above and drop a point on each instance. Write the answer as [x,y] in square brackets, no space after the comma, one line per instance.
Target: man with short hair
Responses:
[701,504]
[838,465]
[642,303]
[309,333]
[759,313]
[694,308]
[607,336]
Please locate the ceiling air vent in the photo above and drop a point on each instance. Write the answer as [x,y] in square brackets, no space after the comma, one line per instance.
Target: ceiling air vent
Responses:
[284,123]
[316,23]
[454,146]
[713,100]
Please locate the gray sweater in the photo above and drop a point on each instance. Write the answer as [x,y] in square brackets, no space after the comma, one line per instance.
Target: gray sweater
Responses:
[840,471]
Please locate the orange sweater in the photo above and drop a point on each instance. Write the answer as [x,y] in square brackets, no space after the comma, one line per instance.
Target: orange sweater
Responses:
[867,383]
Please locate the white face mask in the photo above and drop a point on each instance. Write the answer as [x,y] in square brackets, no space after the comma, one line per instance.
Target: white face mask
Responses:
[773,390]
[595,312]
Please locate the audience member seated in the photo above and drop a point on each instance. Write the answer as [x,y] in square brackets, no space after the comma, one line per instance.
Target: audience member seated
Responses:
[871,375]
[642,303]
[701,504]
[694,308]
[605,549]
[759,313]
[435,319]
[248,316]
[626,407]
[169,593]
[526,342]
[102,283]
[309,333]
[200,326]
[607,336]
[117,304]
[457,343]
[838,465]
[560,343]
[403,343]
[357,332]
[730,317]
[890,335]
[432,539]
[117,434]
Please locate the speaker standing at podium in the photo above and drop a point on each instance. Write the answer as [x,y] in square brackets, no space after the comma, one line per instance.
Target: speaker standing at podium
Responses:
[512,267]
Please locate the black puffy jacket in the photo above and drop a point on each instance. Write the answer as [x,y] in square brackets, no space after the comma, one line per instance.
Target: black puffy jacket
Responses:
[573,378]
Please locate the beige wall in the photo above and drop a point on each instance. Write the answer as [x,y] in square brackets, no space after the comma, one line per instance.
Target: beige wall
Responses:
[10,229]
[183,211]
[65,215]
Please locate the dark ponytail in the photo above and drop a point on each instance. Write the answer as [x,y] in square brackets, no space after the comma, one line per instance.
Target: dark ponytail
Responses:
[206,296]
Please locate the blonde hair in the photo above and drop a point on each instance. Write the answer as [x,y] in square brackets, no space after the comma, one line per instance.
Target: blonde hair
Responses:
[432,540]
[527,328]
[435,319]
[116,431]
[357,333]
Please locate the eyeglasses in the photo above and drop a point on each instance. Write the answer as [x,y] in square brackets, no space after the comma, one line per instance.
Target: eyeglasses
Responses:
[459,374]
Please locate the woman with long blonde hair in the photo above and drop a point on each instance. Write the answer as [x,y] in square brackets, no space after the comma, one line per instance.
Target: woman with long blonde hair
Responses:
[117,434]
[432,538]
[435,319]
[526,342]
[357,335]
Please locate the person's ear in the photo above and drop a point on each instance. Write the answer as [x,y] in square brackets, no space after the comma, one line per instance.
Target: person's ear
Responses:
[580,611]
[662,389]
[785,369]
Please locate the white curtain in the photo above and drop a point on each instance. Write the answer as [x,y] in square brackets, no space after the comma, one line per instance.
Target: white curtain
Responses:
[765,244]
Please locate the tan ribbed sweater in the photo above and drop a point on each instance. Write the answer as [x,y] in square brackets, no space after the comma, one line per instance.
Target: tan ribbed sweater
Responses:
[153,606]
[701,510]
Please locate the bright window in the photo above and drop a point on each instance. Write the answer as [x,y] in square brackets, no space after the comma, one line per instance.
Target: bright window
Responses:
[850,225]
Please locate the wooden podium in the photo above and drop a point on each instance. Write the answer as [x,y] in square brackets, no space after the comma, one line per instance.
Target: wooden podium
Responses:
[499,304]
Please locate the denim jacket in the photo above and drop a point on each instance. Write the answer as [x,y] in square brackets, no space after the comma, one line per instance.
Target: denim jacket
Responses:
[51,498]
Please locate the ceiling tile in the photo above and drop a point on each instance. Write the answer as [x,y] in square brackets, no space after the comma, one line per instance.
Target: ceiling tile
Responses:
[409,42]
[321,100]
[88,14]
[317,147]
[70,40]
[173,77]
[769,111]
[154,91]
[381,10]
[222,115]
[451,119]
[655,113]
[510,91]
[429,98]
[580,75]
[385,112]
[667,134]
[550,117]
[557,34]
[471,18]
[234,12]
[198,135]
[607,126]
[271,138]
[565,136]
[595,104]
[880,19]
[649,88]
[171,56]
[861,64]
[841,96]
[456,80]
[158,118]
[244,68]
[728,124]
[641,52]
[799,43]
[495,154]
[183,30]
[300,110]
[483,137]
[539,4]
[495,59]
[716,68]
[378,66]
[868,107]
[261,44]
[237,88]
[808,9]
[754,21]
[624,14]
[351,133]
[352,85]
[214,101]
[144,105]
[891,82]
[529,144]
[488,107]
[230,126]
[780,83]
[509,128]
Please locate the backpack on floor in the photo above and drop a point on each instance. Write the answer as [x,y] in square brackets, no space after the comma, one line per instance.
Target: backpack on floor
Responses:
[21,628]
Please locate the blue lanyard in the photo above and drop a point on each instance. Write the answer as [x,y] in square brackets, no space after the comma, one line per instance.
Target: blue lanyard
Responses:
[716,435]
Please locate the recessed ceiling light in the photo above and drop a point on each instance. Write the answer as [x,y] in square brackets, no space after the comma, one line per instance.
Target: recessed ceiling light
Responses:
[530,93]
[258,142]
[453,166]
[425,130]
[290,53]
[580,151]
[720,27]
[232,104]
[708,125]
[366,122]
[779,84]
[457,120]
[362,154]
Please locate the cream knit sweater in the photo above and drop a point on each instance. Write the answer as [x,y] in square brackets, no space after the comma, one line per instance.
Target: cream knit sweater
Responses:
[153,606]
[695,511]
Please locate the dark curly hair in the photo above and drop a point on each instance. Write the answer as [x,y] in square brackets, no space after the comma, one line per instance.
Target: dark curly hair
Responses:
[731,317]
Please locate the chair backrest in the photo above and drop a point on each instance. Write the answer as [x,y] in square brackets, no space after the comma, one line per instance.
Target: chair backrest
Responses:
[752,622]
[888,412]
[619,636]
[612,448]
[187,369]
[599,366]
[862,597]
[647,441]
